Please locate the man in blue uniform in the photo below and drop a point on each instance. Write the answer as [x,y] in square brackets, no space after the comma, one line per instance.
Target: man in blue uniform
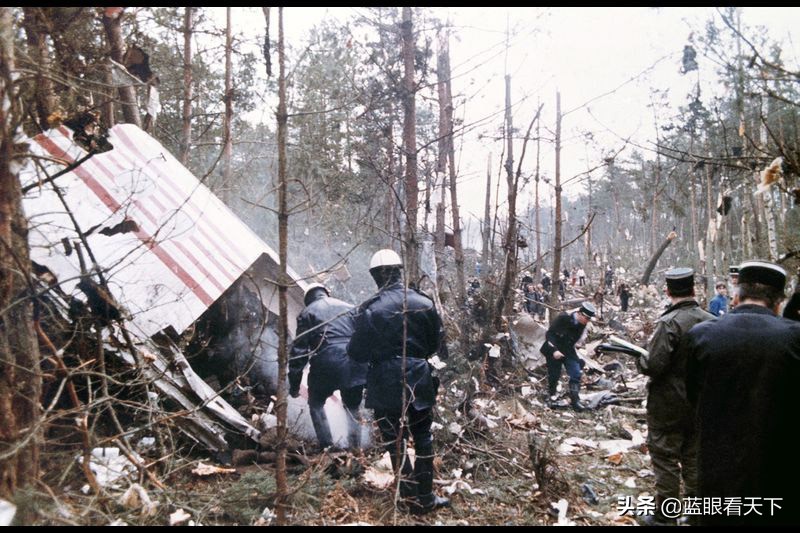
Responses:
[559,349]
[396,330]
[323,330]
[743,371]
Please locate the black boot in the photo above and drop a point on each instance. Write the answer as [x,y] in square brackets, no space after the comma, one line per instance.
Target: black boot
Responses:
[321,427]
[427,501]
[575,397]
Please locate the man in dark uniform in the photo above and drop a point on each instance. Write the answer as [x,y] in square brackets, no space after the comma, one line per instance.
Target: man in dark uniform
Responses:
[323,330]
[670,438]
[743,371]
[396,331]
[559,348]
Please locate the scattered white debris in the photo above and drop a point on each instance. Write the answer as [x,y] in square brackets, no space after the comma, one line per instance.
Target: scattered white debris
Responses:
[437,363]
[145,444]
[118,522]
[137,498]
[455,428]
[7,512]
[561,507]
[630,483]
[436,426]
[178,517]
[644,472]
[526,391]
[494,351]
[460,485]
[207,470]
[109,466]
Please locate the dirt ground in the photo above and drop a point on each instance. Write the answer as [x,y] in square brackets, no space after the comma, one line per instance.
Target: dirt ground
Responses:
[504,457]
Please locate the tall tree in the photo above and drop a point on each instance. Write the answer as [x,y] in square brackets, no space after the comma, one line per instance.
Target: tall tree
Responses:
[227,151]
[283,279]
[557,214]
[186,130]
[112,22]
[20,380]
[410,147]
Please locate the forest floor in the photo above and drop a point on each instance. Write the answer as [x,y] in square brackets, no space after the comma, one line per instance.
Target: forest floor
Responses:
[510,460]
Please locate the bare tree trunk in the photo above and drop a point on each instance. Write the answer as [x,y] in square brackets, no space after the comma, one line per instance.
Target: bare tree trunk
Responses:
[451,156]
[536,203]
[20,379]
[391,202]
[112,22]
[487,225]
[410,145]
[441,160]
[227,185]
[36,35]
[504,301]
[557,215]
[186,130]
[283,283]
[710,234]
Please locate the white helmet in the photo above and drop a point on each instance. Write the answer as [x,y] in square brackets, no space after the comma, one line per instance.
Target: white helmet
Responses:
[385,257]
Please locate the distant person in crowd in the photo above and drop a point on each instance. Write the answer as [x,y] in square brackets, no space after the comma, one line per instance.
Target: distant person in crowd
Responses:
[733,273]
[581,277]
[530,298]
[473,287]
[525,281]
[670,429]
[719,303]
[540,297]
[562,287]
[624,296]
[609,279]
[566,274]
[396,330]
[546,282]
[324,328]
[574,278]
[743,372]
[559,349]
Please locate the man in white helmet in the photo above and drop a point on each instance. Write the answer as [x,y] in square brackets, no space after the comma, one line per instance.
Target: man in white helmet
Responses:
[396,330]
[323,330]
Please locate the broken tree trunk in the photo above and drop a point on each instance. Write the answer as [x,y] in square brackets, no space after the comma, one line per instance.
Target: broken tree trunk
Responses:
[653,260]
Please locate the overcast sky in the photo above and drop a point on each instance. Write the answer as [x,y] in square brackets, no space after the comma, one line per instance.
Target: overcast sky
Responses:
[605,61]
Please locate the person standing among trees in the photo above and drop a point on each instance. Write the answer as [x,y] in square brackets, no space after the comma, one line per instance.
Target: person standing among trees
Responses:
[324,328]
[670,430]
[742,374]
[396,330]
[581,277]
[559,349]
[719,303]
[624,296]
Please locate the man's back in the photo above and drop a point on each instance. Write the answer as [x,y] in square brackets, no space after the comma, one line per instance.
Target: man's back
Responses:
[743,372]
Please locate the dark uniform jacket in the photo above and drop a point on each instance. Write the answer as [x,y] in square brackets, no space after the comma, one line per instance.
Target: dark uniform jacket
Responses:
[326,345]
[743,378]
[667,406]
[562,335]
[379,340]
